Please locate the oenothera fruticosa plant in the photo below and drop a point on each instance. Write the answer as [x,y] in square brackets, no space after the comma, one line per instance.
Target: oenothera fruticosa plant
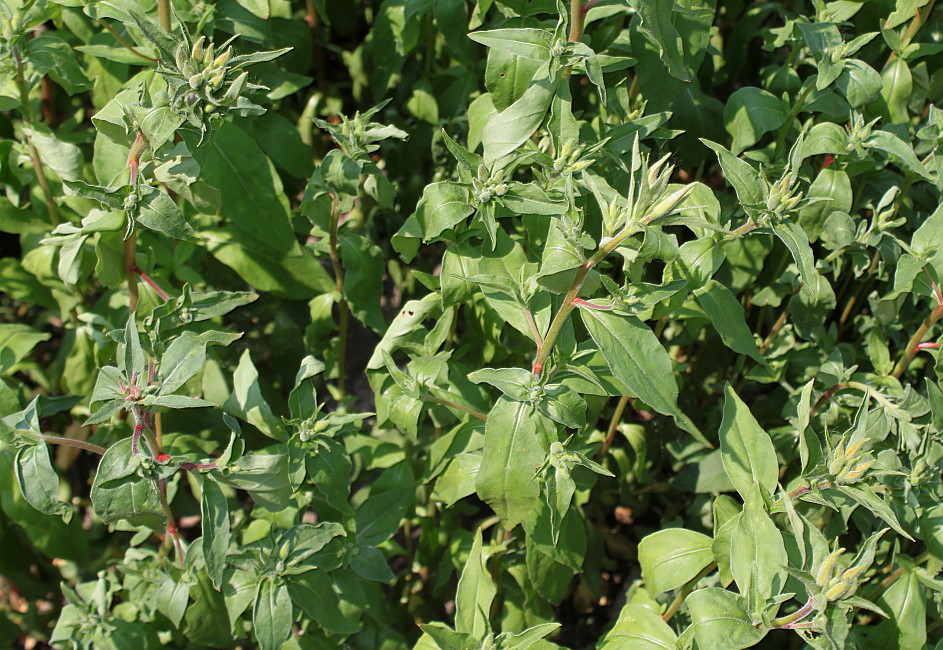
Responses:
[435,324]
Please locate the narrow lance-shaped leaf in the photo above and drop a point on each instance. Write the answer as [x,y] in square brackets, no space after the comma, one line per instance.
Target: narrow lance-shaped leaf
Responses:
[746,449]
[639,361]
[475,592]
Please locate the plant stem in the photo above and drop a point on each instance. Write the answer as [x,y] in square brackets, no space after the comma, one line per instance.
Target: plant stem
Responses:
[37,162]
[129,271]
[577,18]
[559,320]
[613,426]
[786,622]
[918,21]
[793,113]
[912,346]
[454,405]
[778,325]
[342,302]
[685,591]
[163,14]
[123,42]
[72,442]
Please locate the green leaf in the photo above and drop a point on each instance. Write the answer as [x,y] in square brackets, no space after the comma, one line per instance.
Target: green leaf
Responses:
[63,157]
[720,620]
[442,206]
[891,144]
[39,482]
[758,558]
[121,492]
[740,174]
[247,403]
[656,22]
[859,83]
[640,628]
[673,557]
[185,357]
[272,614]
[246,186]
[172,598]
[476,591]
[157,211]
[639,361]
[751,112]
[313,592]
[726,314]
[48,53]
[866,497]
[524,42]
[364,266]
[16,342]
[746,449]
[513,126]
[797,242]
[898,86]
[517,439]
[216,535]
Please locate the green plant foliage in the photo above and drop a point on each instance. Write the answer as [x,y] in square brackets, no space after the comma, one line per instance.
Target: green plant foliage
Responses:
[471,324]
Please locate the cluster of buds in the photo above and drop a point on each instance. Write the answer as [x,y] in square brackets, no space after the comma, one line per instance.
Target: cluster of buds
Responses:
[203,70]
[485,185]
[836,581]
[846,466]
[561,459]
[784,196]
[572,159]
[859,131]
[648,198]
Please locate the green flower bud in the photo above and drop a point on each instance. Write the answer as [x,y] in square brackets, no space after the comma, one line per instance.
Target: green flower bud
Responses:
[197,51]
[567,148]
[222,59]
[856,473]
[482,173]
[484,196]
[217,79]
[180,56]
[825,571]
[208,57]
[670,203]
[837,588]
[501,189]
[577,167]
[196,81]
[236,88]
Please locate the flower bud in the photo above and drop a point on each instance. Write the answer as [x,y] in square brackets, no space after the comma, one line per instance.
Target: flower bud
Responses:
[567,148]
[484,196]
[197,51]
[856,474]
[223,59]
[217,79]
[208,56]
[836,589]
[501,189]
[670,203]
[577,167]
[825,571]
[196,80]
[236,88]
[482,173]
[180,56]
[853,450]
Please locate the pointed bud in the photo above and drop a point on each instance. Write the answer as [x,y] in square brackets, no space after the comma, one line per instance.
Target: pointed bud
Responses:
[217,79]
[838,455]
[236,88]
[668,204]
[196,80]
[580,166]
[654,169]
[197,51]
[180,57]
[501,189]
[852,452]
[856,474]
[223,59]
[567,148]
[825,571]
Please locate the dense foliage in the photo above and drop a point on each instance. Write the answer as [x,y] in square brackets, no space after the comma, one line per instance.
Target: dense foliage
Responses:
[452,324]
